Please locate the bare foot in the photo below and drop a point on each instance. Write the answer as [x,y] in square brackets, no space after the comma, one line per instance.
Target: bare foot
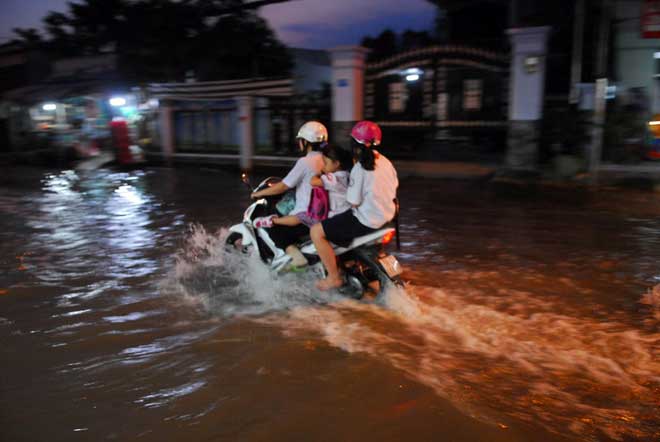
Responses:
[329,284]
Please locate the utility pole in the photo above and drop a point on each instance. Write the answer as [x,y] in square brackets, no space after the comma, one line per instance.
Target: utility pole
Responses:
[578,39]
[513,13]
[601,92]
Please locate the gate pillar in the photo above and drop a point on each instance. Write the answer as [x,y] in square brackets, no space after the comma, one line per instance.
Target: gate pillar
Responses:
[166,125]
[526,96]
[246,130]
[348,64]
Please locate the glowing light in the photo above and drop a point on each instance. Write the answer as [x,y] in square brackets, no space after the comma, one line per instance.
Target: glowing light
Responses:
[654,123]
[128,111]
[117,101]
[388,237]
[130,193]
[412,77]
[411,71]
[49,107]
[656,55]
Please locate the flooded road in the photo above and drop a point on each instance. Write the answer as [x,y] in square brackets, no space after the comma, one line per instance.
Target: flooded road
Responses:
[527,317]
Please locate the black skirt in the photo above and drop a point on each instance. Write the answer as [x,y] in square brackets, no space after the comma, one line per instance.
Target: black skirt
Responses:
[342,229]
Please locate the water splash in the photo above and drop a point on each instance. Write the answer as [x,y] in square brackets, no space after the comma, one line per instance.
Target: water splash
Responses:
[566,373]
[652,299]
[504,357]
[228,283]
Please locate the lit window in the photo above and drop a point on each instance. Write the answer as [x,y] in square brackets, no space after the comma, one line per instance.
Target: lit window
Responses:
[472,91]
[397,96]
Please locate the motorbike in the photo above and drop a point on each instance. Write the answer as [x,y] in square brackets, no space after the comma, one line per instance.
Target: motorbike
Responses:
[366,266]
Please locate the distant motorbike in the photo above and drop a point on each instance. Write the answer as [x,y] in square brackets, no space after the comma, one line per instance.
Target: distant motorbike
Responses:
[365,264]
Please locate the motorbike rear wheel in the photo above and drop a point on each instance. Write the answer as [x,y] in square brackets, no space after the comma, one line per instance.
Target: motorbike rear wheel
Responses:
[369,272]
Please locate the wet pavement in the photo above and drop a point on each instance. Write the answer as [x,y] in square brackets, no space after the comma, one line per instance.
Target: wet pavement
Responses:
[528,316]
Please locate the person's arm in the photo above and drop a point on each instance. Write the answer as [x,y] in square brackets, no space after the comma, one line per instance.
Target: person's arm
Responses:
[275,189]
[290,181]
[316,181]
[329,182]
[354,192]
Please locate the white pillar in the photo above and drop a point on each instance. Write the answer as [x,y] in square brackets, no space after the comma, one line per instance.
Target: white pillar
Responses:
[246,130]
[526,95]
[166,124]
[348,65]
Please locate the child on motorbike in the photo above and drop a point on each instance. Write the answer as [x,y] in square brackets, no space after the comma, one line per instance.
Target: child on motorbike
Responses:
[371,192]
[336,165]
[311,137]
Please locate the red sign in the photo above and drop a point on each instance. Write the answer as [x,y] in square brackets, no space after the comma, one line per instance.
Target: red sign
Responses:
[651,19]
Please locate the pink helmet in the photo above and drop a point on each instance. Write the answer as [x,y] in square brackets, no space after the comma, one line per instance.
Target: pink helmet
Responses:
[367,133]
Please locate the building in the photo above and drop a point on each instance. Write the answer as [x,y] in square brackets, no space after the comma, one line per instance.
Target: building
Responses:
[70,107]
[19,66]
[636,51]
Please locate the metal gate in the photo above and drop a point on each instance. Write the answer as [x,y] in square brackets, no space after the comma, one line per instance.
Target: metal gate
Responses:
[441,102]
[278,120]
[210,129]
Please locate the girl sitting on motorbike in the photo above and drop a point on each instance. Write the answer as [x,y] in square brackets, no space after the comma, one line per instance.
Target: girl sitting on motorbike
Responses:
[311,137]
[337,163]
[371,192]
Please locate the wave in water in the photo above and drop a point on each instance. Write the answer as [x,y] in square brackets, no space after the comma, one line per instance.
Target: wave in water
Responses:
[228,283]
[569,374]
[501,357]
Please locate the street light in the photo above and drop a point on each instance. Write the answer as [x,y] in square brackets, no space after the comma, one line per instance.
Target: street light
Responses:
[412,74]
[49,107]
[117,101]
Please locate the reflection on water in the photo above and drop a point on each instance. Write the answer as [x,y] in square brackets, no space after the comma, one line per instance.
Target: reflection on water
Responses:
[527,317]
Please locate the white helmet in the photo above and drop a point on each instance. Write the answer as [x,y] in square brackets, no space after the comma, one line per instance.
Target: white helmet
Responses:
[313,131]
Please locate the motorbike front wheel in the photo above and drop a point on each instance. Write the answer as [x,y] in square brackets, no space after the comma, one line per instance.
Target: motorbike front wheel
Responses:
[232,241]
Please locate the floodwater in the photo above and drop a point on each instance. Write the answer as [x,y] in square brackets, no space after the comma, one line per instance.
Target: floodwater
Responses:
[528,316]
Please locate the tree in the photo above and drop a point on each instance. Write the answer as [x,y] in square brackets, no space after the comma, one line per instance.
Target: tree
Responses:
[383,46]
[415,40]
[160,40]
[389,43]
[29,37]
[479,22]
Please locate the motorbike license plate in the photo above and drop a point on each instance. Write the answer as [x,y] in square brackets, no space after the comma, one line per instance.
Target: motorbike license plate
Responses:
[391,266]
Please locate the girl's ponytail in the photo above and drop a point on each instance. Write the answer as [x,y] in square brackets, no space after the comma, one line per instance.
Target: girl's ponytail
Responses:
[367,158]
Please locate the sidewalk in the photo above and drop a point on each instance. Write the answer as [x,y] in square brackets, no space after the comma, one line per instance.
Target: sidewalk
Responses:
[96,162]
[405,168]
[646,169]
[644,175]
[446,170]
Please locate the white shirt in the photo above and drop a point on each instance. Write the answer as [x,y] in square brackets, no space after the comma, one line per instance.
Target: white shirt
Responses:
[336,183]
[373,192]
[300,178]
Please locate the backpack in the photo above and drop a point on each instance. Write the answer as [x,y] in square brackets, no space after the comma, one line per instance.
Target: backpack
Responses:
[319,204]
[287,203]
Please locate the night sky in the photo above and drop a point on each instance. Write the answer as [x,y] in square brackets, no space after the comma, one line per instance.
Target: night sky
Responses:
[300,23]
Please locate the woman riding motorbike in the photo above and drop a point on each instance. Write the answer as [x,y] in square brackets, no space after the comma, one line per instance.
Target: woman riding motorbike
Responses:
[371,192]
[311,137]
